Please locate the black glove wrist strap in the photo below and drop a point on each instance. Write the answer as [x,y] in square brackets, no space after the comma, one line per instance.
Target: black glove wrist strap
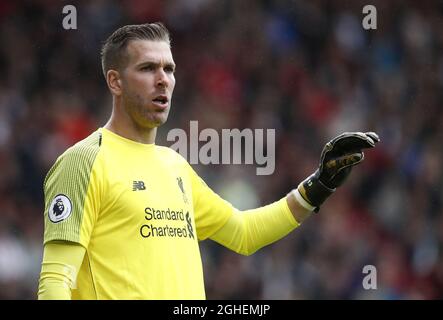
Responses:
[315,192]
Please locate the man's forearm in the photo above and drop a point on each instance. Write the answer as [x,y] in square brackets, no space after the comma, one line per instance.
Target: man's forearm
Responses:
[61,262]
[53,286]
[300,209]
[247,231]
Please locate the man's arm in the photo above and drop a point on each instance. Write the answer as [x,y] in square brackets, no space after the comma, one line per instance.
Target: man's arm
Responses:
[246,232]
[61,262]
[73,196]
[300,208]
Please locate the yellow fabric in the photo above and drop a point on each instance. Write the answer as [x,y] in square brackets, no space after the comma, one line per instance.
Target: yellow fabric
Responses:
[140,217]
[72,192]
[247,231]
[61,262]
[138,211]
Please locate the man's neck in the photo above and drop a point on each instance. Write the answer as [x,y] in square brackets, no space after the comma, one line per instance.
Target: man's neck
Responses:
[131,131]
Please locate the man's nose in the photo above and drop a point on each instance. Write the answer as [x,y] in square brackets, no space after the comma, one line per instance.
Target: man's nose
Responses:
[162,78]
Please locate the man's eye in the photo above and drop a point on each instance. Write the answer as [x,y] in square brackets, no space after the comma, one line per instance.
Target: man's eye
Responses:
[147,68]
[169,69]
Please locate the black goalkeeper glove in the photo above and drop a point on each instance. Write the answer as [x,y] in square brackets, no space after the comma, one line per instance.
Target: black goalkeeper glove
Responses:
[337,159]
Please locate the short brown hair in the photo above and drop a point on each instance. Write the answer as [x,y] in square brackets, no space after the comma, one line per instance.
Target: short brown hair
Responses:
[113,53]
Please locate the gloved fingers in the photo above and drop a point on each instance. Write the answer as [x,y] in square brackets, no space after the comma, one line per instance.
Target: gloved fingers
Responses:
[342,162]
[373,136]
[351,142]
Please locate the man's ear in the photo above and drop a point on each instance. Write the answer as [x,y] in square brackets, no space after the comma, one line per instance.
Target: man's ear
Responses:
[114,81]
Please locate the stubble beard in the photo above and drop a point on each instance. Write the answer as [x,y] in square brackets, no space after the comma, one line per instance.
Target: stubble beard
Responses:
[137,108]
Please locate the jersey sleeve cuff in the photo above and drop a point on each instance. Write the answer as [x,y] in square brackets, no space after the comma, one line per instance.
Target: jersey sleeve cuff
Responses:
[284,205]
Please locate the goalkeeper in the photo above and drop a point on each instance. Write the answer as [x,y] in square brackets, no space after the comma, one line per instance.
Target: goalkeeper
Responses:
[123,216]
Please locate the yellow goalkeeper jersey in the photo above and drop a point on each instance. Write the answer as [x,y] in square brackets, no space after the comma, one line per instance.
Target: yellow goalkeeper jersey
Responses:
[139,210]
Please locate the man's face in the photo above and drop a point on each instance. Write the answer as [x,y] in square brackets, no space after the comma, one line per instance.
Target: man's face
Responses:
[148,82]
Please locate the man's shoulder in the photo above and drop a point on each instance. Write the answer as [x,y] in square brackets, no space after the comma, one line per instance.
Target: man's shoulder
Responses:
[84,150]
[77,159]
[171,155]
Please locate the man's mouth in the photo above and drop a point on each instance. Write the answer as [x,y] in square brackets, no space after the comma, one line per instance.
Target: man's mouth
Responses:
[161,100]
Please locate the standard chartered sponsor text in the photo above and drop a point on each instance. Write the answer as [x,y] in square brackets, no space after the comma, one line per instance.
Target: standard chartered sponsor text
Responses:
[176,226]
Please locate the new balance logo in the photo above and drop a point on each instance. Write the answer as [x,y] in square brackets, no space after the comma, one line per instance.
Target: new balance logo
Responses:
[138,185]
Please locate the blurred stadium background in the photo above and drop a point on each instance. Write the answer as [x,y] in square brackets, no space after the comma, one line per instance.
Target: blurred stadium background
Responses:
[307,69]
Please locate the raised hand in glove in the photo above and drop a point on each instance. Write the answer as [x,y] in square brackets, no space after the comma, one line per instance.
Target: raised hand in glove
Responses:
[337,159]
